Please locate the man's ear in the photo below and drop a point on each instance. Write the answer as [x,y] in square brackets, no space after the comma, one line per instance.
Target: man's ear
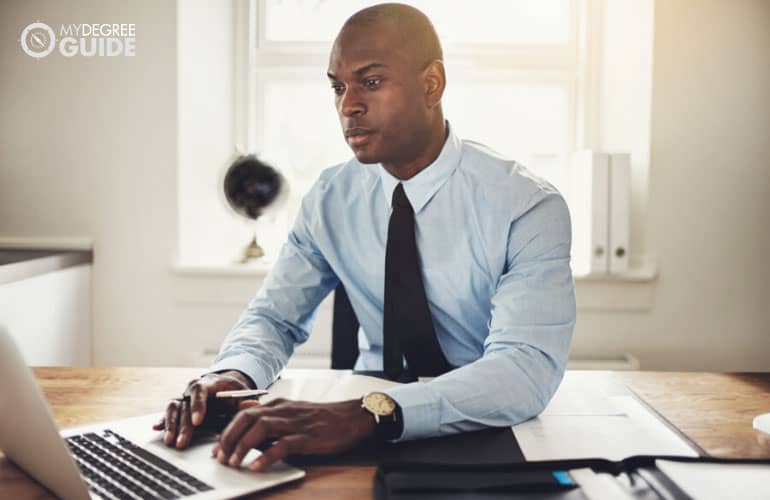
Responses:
[434,80]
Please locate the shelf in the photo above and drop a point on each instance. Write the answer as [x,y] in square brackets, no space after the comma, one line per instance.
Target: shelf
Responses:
[259,268]
[642,273]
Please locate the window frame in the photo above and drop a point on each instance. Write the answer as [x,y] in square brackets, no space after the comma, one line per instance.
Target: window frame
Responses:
[574,66]
[629,291]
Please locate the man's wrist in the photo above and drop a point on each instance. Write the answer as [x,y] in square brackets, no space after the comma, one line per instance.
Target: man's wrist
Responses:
[363,422]
[387,415]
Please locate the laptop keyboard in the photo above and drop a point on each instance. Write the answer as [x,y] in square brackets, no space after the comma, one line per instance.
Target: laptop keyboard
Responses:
[116,468]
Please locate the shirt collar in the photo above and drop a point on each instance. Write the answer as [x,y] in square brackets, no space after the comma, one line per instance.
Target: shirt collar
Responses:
[421,188]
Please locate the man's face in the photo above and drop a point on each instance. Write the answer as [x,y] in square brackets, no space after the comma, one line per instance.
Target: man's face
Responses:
[378,94]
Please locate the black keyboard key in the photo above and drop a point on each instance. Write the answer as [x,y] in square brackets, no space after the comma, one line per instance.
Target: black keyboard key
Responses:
[118,484]
[114,456]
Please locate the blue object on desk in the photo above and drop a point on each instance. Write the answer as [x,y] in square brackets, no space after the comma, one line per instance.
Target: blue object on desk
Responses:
[563,477]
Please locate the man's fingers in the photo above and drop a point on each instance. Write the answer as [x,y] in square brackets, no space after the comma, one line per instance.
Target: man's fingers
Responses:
[179,424]
[198,393]
[287,445]
[172,414]
[263,429]
[248,403]
[185,425]
[233,432]
[160,425]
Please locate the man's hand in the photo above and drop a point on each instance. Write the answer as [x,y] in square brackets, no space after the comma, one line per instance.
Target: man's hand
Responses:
[297,427]
[181,417]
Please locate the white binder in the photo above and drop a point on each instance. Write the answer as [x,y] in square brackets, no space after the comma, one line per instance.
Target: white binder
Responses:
[589,199]
[620,212]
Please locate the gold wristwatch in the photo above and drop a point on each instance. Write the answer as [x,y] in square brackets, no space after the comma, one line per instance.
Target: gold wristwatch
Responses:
[386,413]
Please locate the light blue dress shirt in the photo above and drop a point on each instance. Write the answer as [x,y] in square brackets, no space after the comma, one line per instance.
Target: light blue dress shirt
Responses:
[494,245]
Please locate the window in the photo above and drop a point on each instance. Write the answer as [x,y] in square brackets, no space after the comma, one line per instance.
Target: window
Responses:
[535,80]
[516,72]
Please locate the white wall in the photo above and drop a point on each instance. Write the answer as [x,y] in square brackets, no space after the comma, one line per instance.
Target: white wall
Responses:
[709,195]
[206,126]
[89,148]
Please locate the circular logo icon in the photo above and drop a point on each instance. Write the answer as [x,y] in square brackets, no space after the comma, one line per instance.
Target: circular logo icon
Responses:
[38,40]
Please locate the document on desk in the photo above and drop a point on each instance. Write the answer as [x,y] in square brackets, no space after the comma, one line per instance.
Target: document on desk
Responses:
[324,386]
[591,425]
[573,399]
[717,481]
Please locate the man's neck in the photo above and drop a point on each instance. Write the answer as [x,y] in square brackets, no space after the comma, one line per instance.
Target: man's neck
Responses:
[408,170]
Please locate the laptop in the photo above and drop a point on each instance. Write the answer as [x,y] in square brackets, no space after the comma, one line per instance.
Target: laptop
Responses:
[119,459]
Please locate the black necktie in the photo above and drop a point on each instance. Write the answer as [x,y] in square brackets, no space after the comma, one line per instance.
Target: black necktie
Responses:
[407,323]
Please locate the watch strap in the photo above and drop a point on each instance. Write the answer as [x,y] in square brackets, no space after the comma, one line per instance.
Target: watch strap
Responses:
[391,426]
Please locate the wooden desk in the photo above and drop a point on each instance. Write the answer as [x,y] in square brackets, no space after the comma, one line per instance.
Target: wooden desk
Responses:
[714,410]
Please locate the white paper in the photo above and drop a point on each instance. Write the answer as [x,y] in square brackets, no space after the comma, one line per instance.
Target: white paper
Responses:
[324,386]
[634,431]
[719,481]
[573,397]
[352,386]
[600,486]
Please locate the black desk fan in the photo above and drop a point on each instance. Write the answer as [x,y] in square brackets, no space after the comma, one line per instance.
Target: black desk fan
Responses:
[251,188]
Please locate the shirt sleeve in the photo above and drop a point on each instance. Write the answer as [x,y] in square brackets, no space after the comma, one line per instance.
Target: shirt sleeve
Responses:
[280,316]
[530,331]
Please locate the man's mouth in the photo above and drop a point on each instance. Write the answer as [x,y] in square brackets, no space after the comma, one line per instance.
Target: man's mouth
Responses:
[357,136]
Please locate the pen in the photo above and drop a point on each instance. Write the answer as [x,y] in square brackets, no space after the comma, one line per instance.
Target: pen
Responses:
[248,393]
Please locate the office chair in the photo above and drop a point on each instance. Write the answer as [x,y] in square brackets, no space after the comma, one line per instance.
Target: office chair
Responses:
[345,338]
[344,331]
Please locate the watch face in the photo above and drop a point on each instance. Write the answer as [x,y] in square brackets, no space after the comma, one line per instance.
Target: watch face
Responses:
[379,403]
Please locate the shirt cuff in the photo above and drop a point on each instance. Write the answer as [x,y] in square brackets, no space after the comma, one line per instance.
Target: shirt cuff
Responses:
[420,408]
[244,363]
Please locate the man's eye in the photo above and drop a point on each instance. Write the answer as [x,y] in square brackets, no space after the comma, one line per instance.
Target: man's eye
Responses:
[372,83]
[338,88]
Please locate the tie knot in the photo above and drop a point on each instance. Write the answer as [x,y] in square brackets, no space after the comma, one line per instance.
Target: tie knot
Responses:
[399,198]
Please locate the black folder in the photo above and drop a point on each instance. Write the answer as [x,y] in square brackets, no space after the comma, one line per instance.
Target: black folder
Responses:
[638,476]
[488,446]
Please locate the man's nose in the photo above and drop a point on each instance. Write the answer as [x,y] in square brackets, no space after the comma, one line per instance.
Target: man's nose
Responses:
[351,104]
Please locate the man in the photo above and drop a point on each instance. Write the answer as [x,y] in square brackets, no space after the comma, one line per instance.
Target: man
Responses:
[476,277]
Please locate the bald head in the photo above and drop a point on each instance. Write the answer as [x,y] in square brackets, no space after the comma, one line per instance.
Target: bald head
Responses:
[387,74]
[412,28]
